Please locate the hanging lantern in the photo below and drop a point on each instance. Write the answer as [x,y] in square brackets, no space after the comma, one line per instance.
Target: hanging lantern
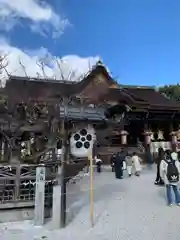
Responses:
[160,135]
[152,135]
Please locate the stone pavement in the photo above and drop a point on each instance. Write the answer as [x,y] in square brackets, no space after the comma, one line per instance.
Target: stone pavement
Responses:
[132,208]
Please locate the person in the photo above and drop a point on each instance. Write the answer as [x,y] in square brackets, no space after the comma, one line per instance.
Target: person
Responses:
[129,164]
[95,149]
[160,157]
[112,160]
[169,172]
[136,163]
[118,164]
[178,156]
[98,162]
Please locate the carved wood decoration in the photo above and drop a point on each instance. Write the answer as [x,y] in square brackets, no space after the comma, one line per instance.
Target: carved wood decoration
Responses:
[96,89]
[114,85]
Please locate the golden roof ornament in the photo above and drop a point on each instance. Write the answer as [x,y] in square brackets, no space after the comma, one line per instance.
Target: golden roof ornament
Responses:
[160,135]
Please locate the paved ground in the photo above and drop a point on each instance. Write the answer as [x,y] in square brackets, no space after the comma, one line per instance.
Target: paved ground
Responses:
[124,209]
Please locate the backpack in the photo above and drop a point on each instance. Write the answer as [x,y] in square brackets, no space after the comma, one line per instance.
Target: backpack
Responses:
[172,172]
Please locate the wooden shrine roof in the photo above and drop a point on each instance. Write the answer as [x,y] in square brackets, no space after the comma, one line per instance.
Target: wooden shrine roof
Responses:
[25,88]
[152,97]
[92,85]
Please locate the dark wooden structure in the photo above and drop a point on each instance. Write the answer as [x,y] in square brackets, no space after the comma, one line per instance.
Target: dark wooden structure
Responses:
[43,101]
[32,117]
[33,113]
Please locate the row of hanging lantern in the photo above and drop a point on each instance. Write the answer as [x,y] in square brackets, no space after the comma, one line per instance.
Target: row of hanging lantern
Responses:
[160,135]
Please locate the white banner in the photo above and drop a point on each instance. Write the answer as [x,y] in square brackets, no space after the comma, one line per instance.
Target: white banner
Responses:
[154,146]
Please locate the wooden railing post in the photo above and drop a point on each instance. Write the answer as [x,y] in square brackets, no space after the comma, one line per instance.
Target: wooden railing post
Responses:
[39,195]
[17,181]
[56,209]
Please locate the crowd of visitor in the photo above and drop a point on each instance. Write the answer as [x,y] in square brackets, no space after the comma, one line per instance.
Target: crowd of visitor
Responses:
[122,161]
[168,169]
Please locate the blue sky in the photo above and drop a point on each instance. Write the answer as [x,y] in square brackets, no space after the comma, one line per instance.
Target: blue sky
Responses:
[139,40]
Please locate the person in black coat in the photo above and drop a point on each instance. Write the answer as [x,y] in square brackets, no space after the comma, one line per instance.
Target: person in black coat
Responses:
[118,164]
[112,161]
[161,156]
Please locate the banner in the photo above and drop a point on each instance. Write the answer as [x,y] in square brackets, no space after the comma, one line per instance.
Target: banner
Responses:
[154,146]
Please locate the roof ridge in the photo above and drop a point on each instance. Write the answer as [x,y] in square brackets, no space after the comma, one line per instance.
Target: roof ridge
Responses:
[137,86]
[35,79]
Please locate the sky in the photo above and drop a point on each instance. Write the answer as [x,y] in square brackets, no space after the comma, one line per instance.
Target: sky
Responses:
[138,40]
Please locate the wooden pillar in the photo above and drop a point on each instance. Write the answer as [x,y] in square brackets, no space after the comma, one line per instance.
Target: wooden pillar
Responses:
[18,180]
[39,196]
[56,209]
[123,134]
[147,143]
[63,174]
[147,137]
[6,151]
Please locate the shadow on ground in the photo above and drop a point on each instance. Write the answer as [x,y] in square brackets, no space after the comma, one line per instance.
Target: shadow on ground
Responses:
[105,185]
[102,192]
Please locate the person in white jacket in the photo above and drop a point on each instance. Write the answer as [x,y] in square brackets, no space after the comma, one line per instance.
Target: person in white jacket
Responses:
[169,172]
[136,164]
[129,164]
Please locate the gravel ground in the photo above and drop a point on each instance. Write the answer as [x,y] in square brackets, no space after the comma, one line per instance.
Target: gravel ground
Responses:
[132,208]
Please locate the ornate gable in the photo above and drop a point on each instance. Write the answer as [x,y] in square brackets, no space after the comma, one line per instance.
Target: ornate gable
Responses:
[98,85]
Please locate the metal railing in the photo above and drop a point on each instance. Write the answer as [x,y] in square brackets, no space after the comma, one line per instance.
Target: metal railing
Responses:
[18,182]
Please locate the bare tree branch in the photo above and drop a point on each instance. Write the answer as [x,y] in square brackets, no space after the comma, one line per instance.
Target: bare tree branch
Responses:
[3,68]
[23,68]
[60,68]
[42,65]
[3,61]
[71,75]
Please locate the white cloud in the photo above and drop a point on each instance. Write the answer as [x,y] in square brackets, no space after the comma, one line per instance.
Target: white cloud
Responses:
[73,64]
[41,16]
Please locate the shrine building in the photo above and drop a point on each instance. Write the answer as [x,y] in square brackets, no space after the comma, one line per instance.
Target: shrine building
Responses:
[153,120]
